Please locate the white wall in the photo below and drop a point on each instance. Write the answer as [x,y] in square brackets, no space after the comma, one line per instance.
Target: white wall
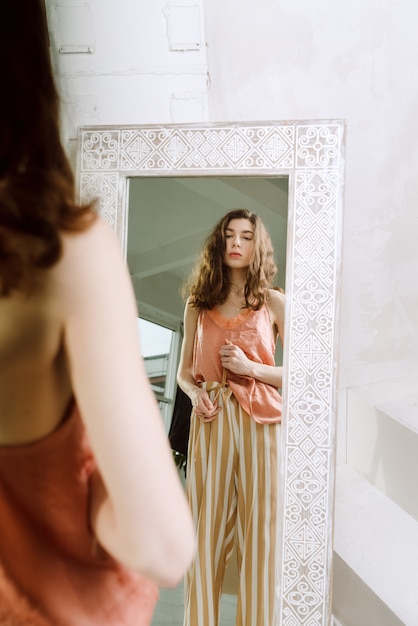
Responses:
[133,76]
[298,59]
[293,59]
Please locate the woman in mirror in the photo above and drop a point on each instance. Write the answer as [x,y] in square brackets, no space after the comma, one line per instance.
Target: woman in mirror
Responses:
[87,481]
[233,318]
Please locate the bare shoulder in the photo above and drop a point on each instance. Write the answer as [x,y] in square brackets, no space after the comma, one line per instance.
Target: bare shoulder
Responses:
[94,244]
[92,260]
[190,311]
[276,305]
[276,301]
[191,315]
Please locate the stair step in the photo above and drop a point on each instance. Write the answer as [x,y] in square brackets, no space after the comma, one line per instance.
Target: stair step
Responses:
[382,438]
[397,398]
[378,541]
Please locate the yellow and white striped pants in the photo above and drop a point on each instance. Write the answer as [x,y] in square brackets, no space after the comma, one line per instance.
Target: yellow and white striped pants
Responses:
[232,487]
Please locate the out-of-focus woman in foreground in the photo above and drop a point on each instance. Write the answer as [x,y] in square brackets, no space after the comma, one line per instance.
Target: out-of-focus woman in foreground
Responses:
[92,513]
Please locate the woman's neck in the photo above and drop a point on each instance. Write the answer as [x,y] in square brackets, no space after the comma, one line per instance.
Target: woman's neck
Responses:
[237,283]
[236,290]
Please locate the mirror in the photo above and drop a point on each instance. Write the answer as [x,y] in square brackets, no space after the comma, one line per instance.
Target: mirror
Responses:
[170,217]
[310,156]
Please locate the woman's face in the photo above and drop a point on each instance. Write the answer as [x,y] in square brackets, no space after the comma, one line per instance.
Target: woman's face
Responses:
[239,243]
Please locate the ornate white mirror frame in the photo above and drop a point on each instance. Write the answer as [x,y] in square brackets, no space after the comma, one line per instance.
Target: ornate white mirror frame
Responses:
[311,155]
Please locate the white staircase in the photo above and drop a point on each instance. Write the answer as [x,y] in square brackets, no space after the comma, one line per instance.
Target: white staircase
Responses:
[375,579]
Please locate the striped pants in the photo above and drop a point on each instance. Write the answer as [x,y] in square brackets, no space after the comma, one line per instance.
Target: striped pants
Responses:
[232,487]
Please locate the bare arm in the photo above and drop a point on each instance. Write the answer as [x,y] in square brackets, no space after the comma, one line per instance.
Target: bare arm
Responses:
[200,399]
[139,510]
[234,359]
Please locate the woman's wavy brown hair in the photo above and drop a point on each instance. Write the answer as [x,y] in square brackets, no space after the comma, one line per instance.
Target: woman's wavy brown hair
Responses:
[37,192]
[209,283]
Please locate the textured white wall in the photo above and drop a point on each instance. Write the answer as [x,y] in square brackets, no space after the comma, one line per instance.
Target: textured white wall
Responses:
[293,59]
[141,71]
[353,60]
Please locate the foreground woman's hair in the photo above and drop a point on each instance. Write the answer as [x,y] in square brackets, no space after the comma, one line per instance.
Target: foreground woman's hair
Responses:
[37,197]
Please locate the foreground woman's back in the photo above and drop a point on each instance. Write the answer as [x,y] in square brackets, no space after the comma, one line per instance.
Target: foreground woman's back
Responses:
[35,380]
[87,482]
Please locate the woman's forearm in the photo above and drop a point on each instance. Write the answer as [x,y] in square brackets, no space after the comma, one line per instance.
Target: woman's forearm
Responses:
[187,383]
[269,374]
[162,553]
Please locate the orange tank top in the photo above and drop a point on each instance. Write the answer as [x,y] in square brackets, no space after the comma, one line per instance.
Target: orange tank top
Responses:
[252,331]
[52,572]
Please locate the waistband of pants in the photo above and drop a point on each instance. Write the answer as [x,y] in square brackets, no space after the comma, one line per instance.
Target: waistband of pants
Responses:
[217,387]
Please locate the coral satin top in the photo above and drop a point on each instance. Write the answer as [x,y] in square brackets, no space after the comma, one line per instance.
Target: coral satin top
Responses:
[253,332]
[52,571]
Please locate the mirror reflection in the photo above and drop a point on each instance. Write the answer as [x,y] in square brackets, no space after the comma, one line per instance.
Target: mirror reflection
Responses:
[169,218]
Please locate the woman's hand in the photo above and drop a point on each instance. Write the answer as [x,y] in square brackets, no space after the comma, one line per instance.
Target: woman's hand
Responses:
[235,360]
[204,408]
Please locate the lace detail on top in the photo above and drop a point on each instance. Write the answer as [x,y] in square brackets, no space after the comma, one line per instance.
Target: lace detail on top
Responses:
[252,331]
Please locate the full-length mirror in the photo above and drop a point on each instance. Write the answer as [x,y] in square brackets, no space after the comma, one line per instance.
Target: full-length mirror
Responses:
[139,174]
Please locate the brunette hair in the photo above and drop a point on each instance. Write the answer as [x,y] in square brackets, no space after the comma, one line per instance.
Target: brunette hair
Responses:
[208,283]
[37,192]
